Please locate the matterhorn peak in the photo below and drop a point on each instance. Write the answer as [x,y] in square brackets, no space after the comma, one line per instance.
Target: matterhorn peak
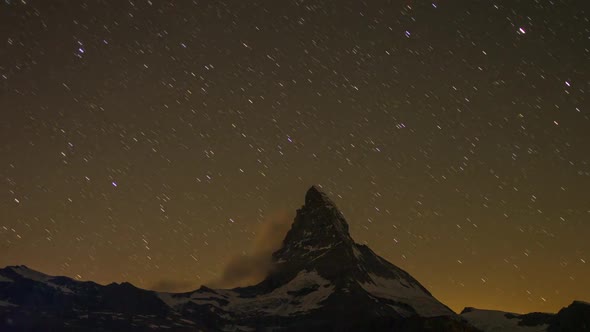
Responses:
[320,280]
[318,223]
[319,243]
[316,196]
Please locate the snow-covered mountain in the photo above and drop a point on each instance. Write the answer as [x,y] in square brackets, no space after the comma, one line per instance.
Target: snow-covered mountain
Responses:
[500,321]
[321,280]
[575,317]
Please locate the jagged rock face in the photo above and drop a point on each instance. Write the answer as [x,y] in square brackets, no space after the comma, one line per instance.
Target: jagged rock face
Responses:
[319,225]
[322,281]
[319,241]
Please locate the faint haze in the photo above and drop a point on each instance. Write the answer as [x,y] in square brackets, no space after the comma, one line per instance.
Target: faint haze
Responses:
[252,267]
[246,269]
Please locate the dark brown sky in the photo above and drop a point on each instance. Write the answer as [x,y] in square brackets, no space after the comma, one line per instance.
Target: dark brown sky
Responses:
[148,140]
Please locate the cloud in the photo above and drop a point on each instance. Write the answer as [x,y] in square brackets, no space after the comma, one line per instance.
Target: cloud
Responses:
[248,269]
[172,286]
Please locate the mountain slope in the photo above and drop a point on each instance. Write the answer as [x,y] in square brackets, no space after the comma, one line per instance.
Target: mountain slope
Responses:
[321,281]
[573,318]
[320,275]
[499,321]
[30,300]
[319,241]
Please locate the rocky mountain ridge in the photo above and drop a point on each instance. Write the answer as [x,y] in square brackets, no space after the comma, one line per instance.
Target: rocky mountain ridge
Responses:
[321,281]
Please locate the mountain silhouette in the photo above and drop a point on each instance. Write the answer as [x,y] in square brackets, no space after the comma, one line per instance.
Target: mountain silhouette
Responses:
[321,280]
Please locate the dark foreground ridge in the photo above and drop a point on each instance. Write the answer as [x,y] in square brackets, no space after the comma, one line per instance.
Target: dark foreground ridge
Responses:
[321,281]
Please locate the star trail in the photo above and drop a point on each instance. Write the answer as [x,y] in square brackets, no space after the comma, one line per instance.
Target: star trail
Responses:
[150,141]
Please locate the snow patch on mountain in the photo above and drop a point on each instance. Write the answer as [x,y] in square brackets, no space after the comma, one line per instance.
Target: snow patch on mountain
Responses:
[27,273]
[498,321]
[33,275]
[303,293]
[4,279]
[7,304]
[399,290]
[313,248]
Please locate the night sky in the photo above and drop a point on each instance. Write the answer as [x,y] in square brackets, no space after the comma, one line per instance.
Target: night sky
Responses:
[151,141]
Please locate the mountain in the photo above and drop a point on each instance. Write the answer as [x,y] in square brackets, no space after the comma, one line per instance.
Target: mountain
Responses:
[575,317]
[321,281]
